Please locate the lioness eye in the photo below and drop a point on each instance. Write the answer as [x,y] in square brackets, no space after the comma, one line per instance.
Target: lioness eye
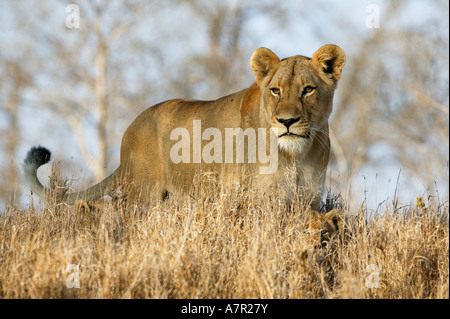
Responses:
[275,91]
[308,89]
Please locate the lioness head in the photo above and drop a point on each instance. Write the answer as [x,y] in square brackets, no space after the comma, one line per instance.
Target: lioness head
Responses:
[297,93]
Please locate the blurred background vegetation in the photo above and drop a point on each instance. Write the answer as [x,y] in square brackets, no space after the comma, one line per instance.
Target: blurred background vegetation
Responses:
[76,90]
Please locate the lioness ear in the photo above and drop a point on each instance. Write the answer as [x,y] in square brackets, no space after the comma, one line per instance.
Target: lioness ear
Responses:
[330,59]
[262,62]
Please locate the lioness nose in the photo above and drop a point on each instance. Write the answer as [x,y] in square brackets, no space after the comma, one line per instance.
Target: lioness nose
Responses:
[288,122]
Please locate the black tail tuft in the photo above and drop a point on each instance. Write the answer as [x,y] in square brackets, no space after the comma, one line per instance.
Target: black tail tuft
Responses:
[37,156]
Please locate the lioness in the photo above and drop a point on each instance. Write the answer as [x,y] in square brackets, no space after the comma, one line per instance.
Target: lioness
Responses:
[291,99]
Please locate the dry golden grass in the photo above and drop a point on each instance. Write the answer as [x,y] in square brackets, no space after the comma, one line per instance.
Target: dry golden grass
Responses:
[234,245]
